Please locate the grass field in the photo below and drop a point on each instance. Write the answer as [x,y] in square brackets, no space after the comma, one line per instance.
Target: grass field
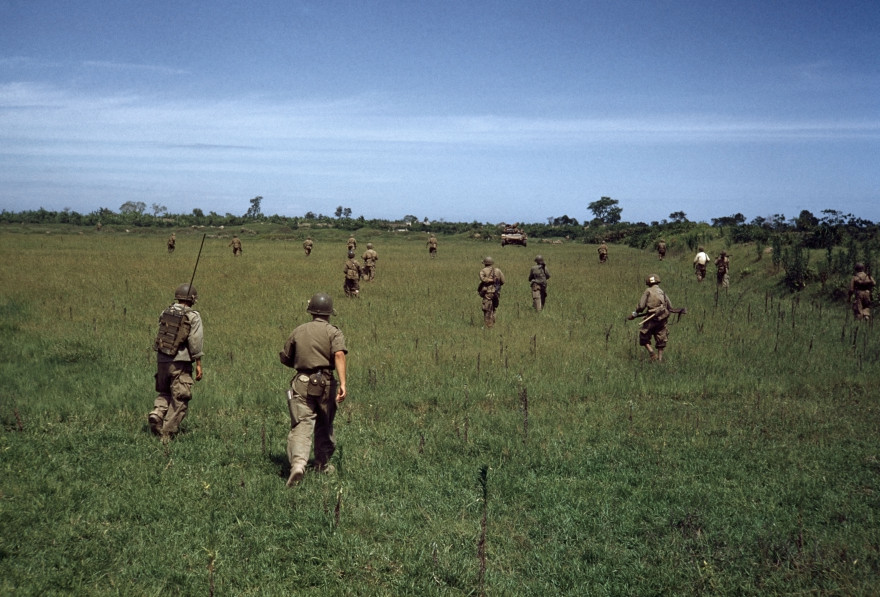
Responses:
[545,456]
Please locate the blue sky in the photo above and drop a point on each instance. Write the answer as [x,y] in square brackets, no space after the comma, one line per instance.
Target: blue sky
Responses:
[455,110]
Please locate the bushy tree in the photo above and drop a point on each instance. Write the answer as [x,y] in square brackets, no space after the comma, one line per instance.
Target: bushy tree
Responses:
[605,211]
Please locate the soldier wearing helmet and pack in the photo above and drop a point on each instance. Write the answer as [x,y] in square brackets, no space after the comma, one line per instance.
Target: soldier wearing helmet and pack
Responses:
[235,243]
[860,287]
[178,345]
[432,246]
[538,277]
[308,243]
[352,271]
[491,281]
[315,349]
[656,307]
[370,258]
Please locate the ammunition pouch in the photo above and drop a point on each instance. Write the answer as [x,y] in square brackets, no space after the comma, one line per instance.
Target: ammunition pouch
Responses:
[318,384]
[352,274]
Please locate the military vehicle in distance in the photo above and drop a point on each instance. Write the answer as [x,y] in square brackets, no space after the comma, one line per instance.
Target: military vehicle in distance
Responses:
[513,235]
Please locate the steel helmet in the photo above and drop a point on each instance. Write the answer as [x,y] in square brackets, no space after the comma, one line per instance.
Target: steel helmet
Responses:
[539,259]
[369,245]
[321,304]
[350,254]
[185,292]
[488,261]
[860,267]
[652,279]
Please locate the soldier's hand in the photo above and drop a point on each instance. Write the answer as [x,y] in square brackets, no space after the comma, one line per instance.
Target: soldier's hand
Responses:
[198,371]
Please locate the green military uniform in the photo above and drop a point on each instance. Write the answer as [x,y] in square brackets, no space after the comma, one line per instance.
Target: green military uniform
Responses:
[722,270]
[538,277]
[860,287]
[661,249]
[174,378]
[370,258]
[432,246]
[491,280]
[236,245]
[352,271]
[307,246]
[172,242]
[315,349]
[603,253]
[656,304]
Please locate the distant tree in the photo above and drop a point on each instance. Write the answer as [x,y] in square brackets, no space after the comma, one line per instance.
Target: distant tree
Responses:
[562,221]
[778,221]
[736,219]
[253,211]
[806,221]
[338,212]
[346,212]
[605,210]
[159,210]
[678,216]
[197,213]
[132,207]
[410,219]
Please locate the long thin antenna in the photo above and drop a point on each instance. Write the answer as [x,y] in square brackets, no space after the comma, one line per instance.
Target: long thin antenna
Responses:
[189,291]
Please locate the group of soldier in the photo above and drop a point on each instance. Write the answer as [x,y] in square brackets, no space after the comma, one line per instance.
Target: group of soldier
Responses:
[316,350]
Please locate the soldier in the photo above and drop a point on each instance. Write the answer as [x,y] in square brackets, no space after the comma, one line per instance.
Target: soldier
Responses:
[655,304]
[315,350]
[172,241]
[352,271]
[370,258]
[661,248]
[307,245]
[603,252]
[538,277]
[432,246]
[491,280]
[178,344]
[352,243]
[722,267]
[700,262]
[860,287]
[235,243]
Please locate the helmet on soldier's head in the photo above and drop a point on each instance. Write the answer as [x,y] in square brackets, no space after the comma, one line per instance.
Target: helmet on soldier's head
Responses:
[652,279]
[185,292]
[539,259]
[860,267]
[350,254]
[369,245]
[321,304]
[488,261]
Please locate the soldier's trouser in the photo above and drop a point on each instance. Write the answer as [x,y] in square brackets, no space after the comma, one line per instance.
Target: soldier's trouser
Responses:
[351,288]
[701,271]
[174,383]
[490,303]
[369,272]
[311,416]
[655,328]
[862,304]
[539,295]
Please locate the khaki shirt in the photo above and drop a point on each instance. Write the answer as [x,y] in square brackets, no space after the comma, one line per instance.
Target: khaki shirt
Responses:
[370,256]
[313,345]
[539,274]
[652,299]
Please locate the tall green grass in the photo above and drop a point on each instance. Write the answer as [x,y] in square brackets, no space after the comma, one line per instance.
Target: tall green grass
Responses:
[543,456]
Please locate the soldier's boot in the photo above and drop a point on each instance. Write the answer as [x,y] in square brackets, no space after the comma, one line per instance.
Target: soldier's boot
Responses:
[296,474]
[155,421]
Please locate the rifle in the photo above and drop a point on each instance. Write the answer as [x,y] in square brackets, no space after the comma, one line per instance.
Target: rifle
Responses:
[198,257]
[679,311]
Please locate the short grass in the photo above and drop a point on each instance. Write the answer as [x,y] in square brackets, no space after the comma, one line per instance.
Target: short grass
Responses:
[543,456]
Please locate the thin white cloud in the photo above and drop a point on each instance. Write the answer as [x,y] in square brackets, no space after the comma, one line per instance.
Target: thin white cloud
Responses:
[118,66]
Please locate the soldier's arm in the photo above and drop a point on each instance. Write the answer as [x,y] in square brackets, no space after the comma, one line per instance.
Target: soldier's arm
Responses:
[339,360]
